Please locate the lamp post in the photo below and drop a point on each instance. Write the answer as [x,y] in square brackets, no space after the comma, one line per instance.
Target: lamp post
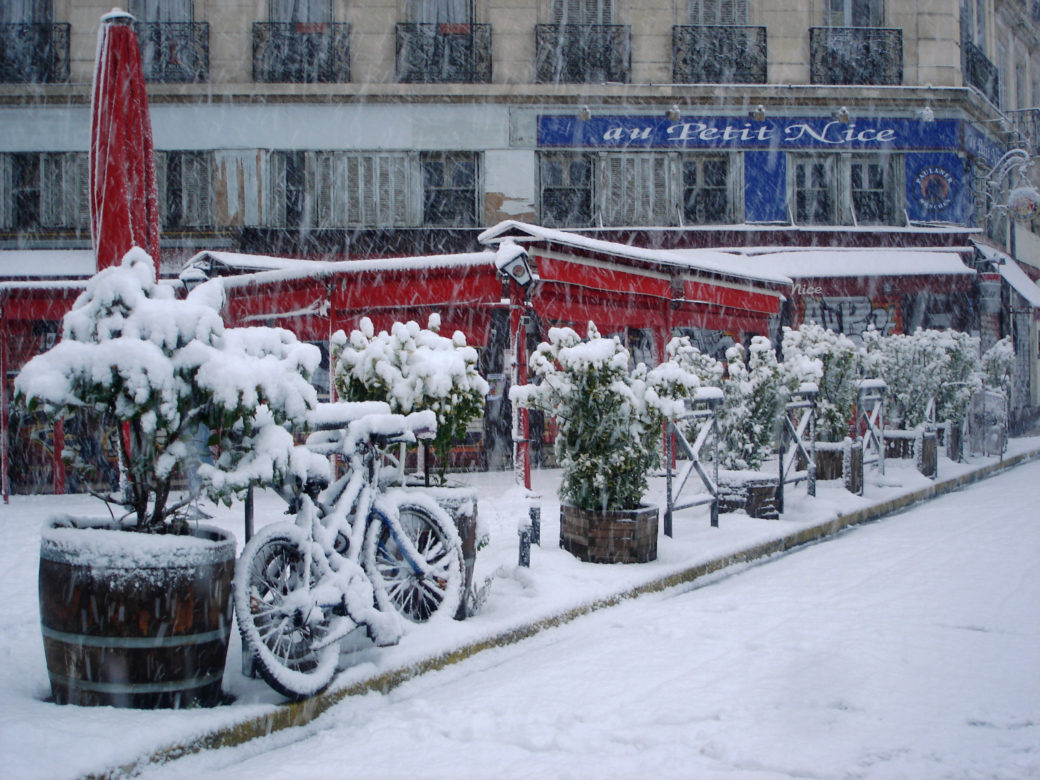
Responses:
[514,263]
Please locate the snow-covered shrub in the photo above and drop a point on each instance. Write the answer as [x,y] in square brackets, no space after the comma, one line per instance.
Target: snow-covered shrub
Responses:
[910,367]
[163,367]
[996,366]
[925,365]
[831,360]
[610,418]
[413,369]
[960,375]
[753,399]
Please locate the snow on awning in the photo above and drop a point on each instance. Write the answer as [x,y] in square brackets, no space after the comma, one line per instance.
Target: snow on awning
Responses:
[47,263]
[712,261]
[1013,274]
[832,263]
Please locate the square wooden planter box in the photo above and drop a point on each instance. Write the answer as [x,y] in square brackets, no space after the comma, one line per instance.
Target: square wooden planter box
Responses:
[613,536]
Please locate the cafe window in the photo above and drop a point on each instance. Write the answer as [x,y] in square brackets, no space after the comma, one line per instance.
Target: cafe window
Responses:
[185,184]
[844,189]
[44,190]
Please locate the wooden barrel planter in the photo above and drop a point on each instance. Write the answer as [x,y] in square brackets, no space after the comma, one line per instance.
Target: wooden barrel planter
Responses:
[753,493]
[610,536]
[461,504]
[135,620]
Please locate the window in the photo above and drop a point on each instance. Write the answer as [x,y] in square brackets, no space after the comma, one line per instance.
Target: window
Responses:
[26,12]
[336,189]
[638,188]
[706,186]
[449,189]
[814,191]
[185,183]
[844,189]
[855,13]
[44,190]
[566,187]
[582,12]
[871,190]
[440,11]
[709,12]
[161,10]
[301,11]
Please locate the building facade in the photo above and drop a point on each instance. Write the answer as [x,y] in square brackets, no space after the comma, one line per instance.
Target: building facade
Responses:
[329,129]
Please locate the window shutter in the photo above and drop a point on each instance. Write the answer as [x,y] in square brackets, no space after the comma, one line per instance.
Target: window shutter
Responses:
[637,189]
[6,190]
[196,186]
[81,198]
[52,180]
[239,194]
[274,214]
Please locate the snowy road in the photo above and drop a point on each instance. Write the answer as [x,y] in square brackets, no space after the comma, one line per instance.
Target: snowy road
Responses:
[907,648]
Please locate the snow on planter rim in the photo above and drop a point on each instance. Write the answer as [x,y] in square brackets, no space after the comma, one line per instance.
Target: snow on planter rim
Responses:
[78,540]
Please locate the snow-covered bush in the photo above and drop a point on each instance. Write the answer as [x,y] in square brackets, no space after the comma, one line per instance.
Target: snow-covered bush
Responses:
[753,395]
[413,369]
[831,360]
[910,367]
[996,366]
[610,418]
[163,367]
[753,399]
[921,366]
[960,374]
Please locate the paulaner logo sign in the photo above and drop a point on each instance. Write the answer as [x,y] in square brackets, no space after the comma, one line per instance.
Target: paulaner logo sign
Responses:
[729,132]
[933,187]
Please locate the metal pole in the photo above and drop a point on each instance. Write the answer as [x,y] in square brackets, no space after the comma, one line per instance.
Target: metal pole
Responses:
[669,448]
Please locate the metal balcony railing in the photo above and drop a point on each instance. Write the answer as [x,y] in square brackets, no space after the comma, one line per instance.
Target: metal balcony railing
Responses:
[582,53]
[855,55]
[432,53]
[717,54]
[174,51]
[34,53]
[1027,126]
[298,52]
[980,73]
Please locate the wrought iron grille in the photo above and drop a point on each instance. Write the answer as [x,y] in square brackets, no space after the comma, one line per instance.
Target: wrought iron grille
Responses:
[717,54]
[582,53]
[174,51]
[34,53]
[298,52]
[433,53]
[980,73]
[856,55]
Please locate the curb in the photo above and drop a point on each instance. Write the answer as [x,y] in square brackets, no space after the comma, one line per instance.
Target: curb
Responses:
[300,713]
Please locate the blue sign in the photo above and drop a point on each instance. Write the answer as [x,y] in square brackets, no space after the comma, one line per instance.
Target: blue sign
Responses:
[775,133]
[936,188]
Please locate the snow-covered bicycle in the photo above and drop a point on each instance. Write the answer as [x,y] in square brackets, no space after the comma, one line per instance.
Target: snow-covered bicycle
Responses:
[358,555]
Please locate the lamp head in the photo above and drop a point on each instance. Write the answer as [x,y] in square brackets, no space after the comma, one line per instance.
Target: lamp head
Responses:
[513,260]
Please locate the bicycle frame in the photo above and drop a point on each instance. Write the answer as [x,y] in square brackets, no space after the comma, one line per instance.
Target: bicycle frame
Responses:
[354,555]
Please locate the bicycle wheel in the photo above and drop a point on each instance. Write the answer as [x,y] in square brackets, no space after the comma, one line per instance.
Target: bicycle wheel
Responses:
[415,562]
[276,614]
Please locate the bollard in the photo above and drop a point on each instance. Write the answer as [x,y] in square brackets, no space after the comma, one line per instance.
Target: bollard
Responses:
[535,514]
[525,546]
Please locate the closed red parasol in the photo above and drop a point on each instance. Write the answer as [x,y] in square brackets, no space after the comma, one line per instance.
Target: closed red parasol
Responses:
[124,206]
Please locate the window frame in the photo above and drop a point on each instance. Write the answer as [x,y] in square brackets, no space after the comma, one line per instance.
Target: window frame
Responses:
[843,209]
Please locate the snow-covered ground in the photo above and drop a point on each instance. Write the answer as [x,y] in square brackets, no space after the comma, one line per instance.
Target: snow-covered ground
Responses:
[908,648]
[917,656]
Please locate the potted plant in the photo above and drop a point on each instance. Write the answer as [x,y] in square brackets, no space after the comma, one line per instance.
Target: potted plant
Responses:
[136,608]
[832,362]
[610,421]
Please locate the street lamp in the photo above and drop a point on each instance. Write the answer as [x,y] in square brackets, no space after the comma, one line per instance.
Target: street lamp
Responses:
[513,262]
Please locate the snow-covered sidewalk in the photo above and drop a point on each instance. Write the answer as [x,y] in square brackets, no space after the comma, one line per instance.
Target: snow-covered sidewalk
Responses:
[39,739]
